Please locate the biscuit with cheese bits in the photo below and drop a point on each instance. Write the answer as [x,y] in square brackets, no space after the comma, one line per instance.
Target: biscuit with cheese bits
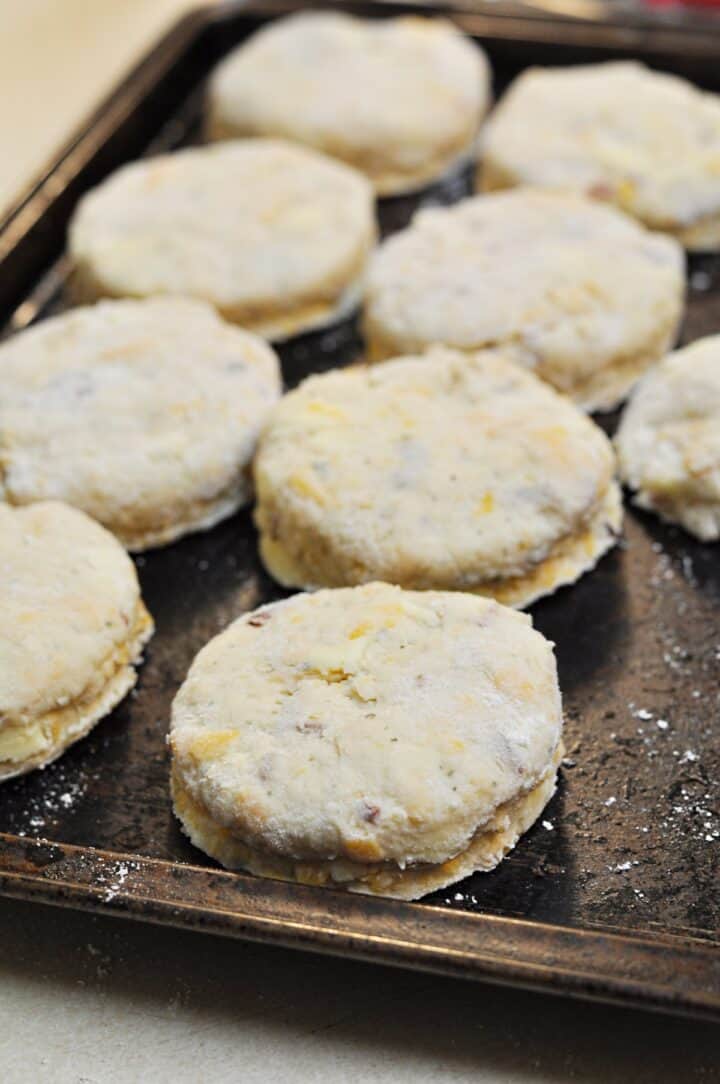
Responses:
[647,141]
[144,414]
[72,630]
[400,99]
[669,439]
[372,739]
[447,471]
[572,289]
[274,235]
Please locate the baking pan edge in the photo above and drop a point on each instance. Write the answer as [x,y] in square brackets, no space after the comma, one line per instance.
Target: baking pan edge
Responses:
[665,974]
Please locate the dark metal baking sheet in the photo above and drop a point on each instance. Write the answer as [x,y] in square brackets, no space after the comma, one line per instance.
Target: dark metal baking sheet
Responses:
[614,893]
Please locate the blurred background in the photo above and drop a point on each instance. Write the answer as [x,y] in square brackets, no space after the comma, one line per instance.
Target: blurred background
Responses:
[58,58]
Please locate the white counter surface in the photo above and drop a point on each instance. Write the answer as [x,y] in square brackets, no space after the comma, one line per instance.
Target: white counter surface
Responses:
[88,1000]
[85,1000]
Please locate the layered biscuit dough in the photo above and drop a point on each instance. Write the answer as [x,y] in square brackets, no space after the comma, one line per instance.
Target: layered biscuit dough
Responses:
[400,99]
[144,414]
[565,286]
[447,471]
[669,439]
[372,739]
[646,141]
[274,236]
[72,630]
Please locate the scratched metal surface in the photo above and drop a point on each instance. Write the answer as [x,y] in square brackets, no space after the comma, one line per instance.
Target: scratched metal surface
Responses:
[632,837]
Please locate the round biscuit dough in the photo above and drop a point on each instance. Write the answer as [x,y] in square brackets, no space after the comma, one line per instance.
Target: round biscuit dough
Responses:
[144,414]
[646,141]
[570,288]
[669,439]
[370,738]
[401,99]
[446,471]
[72,629]
[274,235]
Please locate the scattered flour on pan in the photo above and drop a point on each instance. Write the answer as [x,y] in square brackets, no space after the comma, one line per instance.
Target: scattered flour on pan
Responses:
[60,796]
[114,880]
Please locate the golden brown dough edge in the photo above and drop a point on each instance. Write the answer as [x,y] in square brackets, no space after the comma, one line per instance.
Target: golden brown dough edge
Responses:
[703,235]
[334,302]
[386,178]
[489,845]
[72,722]
[571,557]
[601,391]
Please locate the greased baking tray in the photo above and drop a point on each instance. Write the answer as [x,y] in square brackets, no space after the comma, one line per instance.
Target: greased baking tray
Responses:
[614,894]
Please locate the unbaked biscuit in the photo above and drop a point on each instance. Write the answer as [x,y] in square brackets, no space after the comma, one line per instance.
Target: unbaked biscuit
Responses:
[570,288]
[144,414]
[377,740]
[647,141]
[449,471]
[72,630]
[275,236]
[401,99]
[669,439]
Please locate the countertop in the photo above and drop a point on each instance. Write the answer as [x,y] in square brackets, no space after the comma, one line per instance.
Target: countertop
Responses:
[88,1000]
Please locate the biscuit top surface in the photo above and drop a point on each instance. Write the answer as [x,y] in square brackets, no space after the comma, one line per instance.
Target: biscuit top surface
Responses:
[128,406]
[552,279]
[371,723]
[439,463]
[648,140]
[389,86]
[669,436]
[252,222]
[68,603]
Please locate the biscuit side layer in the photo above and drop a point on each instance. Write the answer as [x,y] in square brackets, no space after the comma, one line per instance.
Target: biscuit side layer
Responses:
[700,518]
[603,390]
[488,846]
[199,516]
[387,177]
[703,235]
[569,559]
[36,743]
[335,299]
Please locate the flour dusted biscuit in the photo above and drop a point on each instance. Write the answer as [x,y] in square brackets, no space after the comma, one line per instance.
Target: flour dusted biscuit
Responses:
[399,99]
[379,740]
[72,629]
[572,289]
[647,141]
[275,236]
[448,471]
[144,414]
[669,439]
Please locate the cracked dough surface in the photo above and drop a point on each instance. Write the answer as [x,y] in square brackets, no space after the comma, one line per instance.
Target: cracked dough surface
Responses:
[144,414]
[368,737]
[446,471]
[275,236]
[647,141]
[668,441]
[424,91]
[568,287]
[72,629]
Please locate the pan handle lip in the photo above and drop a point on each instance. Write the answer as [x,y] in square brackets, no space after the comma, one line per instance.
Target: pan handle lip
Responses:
[665,972]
